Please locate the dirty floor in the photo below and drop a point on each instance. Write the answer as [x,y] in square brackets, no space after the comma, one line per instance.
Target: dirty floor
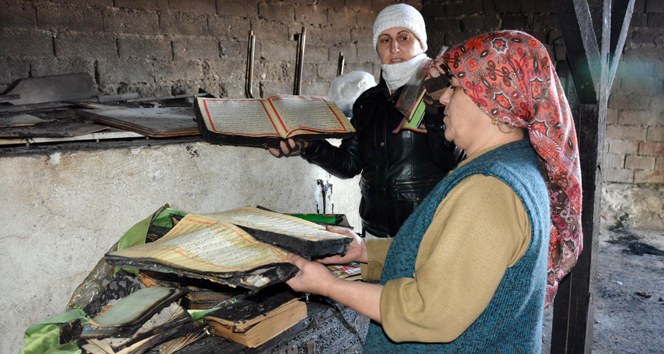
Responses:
[629,313]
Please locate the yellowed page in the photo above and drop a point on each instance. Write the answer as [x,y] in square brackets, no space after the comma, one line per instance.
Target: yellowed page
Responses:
[256,218]
[247,117]
[306,114]
[209,246]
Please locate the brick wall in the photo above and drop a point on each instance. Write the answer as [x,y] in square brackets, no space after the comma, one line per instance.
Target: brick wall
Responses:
[634,161]
[168,47]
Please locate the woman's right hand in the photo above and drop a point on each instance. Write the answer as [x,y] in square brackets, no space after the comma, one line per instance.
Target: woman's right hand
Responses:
[357,251]
[292,148]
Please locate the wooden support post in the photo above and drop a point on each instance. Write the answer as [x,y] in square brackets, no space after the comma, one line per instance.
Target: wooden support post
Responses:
[574,306]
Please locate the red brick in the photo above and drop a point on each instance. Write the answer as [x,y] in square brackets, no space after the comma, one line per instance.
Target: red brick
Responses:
[650,149]
[656,134]
[142,47]
[638,117]
[198,6]
[129,21]
[196,48]
[634,162]
[431,11]
[648,177]
[160,5]
[12,71]
[659,165]
[472,22]
[19,16]
[186,24]
[276,12]
[625,101]
[614,161]
[623,147]
[226,28]
[86,45]
[618,175]
[314,15]
[26,44]
[235,8]
[626,132]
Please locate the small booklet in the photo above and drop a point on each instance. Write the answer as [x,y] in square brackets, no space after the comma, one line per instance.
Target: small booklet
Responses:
[244,247]
[256,122]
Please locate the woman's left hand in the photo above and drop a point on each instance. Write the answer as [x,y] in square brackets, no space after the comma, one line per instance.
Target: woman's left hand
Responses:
[313,277]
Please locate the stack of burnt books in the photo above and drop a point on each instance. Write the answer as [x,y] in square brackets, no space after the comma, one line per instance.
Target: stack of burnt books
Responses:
[137,323]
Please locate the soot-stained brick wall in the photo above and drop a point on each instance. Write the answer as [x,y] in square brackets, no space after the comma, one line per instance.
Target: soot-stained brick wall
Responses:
[634,151]
[169,47]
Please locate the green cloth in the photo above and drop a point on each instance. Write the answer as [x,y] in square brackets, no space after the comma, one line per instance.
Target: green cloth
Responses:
[137,233]
[44,337]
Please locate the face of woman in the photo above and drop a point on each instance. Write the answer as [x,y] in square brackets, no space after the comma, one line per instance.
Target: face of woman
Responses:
[465,123]
[397,45]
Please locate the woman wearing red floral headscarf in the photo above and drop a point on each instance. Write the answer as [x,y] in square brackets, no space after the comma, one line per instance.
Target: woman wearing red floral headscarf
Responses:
[467,272]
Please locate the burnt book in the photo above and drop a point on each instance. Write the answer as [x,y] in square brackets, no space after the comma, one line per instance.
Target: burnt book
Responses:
[137,322]
[245,247]
[255,319]
[256,122]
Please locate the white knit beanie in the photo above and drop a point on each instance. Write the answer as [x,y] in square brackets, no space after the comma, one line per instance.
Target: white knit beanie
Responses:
[400,15]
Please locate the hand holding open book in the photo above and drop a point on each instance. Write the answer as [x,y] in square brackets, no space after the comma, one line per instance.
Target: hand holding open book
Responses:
[245,247]
[255,122]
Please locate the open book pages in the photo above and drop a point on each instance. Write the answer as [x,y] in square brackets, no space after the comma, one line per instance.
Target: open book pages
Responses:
[231,247]
[281,116]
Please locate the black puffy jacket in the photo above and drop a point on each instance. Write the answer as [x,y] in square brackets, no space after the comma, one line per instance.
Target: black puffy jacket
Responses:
[398,170]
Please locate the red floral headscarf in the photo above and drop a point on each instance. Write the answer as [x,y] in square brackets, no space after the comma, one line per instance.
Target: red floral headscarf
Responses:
[509,75]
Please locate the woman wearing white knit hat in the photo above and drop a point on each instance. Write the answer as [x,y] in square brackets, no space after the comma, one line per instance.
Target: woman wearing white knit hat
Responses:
[398,169]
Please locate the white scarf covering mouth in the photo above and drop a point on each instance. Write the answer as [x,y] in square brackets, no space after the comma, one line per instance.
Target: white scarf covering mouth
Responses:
[397,75]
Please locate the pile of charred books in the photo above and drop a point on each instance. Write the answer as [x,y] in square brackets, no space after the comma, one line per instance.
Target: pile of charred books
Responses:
[67,108]
[174,278]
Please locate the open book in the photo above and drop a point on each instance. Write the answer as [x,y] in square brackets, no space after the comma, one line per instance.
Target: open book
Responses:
[256,122]
[245,247]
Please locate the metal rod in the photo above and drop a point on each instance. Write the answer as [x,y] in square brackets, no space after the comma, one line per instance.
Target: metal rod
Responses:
[249,74]
[299,59]
[340,64]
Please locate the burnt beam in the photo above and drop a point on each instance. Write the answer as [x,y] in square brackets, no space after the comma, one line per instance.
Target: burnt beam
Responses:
[621,17]
[583,51]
